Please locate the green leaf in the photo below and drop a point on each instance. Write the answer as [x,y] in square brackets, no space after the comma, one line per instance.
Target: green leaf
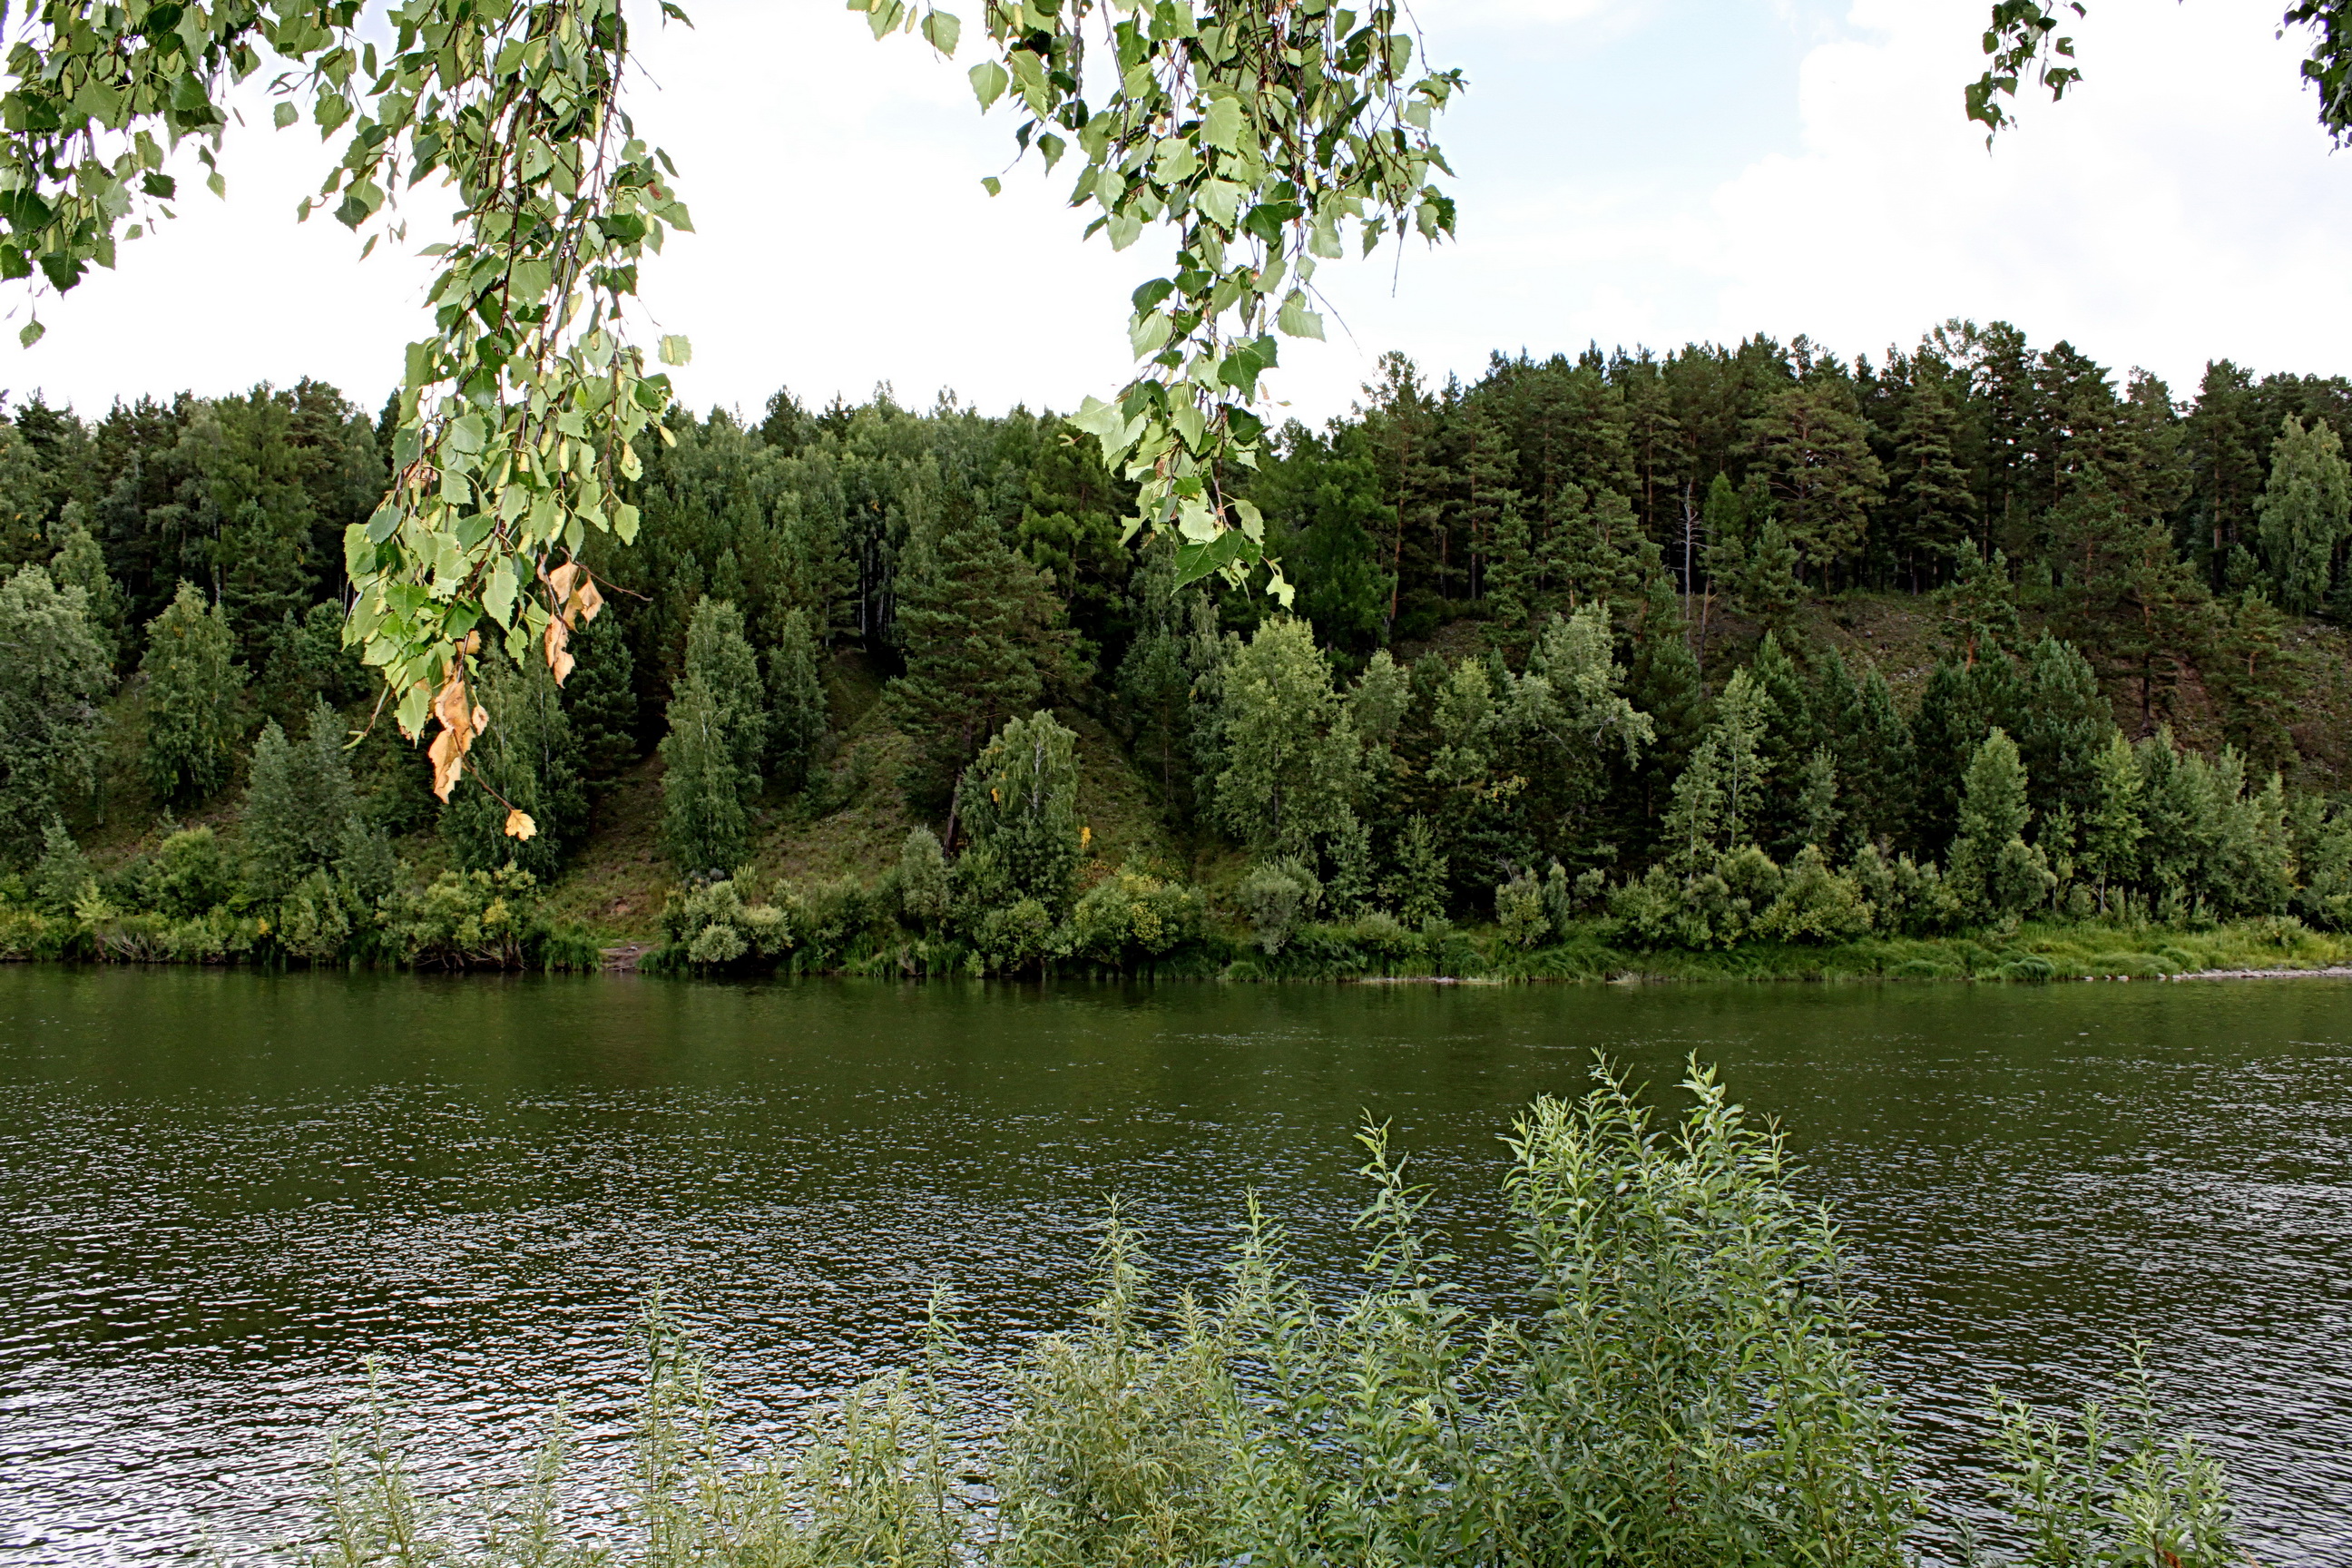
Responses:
[466,433]
[988,81]
[942,31]
[498,596]
[1221,127]
[31,334]
[992,185]
[1196,561]
[284,115]
[1098,419]
[380,526]
[1297,320]
[675,348]
[531,280]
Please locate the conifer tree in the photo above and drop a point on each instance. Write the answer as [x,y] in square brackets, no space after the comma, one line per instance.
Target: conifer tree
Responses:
[56,673]
[2063,723]
[1817,796]
[1979,605]
[298,801]
[62,872]
[2305,512]
[1154,683]
[1769,589]
[80,563]
[1776,817]
[1699,799]
[1018,810]
[600,698]
[193,681]
[526,760]
[796,701]
[1663,682]
[982,635]
[1932,506]
[1813,447]
[1880,766]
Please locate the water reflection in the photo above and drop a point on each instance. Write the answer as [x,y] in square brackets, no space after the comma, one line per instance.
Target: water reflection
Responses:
[226,1188]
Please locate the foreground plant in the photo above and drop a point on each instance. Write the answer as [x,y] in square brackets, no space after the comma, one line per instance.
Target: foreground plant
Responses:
[1681,1380]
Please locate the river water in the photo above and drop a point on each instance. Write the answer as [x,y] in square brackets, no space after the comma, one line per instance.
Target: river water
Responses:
[226,1191]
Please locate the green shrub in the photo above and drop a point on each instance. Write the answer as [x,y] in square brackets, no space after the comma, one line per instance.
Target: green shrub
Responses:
[191,876]
[1679,1380]
[710,927]
[469,920]
[1133,917]
[1520,910]
[1276,895]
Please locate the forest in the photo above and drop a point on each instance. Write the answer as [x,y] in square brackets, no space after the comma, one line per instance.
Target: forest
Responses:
[1657,653]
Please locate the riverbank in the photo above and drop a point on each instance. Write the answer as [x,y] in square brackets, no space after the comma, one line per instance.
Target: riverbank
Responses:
[500,926]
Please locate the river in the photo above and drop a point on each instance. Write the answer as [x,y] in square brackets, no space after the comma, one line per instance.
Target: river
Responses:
[225,1190]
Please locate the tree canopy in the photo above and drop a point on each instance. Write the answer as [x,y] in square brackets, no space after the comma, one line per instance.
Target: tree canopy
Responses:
[1265,136]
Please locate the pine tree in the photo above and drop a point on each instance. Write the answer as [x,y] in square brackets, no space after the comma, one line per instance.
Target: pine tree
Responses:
[298,801]
[796,701]
[982,635]
[192,682]
[1979,605]
[55,672]
[2223,436]
[2062,724]
[526,760]
[1769,589]
[1018,808]
[600,698]
[1813,447]
[2305,512]
[1932,507]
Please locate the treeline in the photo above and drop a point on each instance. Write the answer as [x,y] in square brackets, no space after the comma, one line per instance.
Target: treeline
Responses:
[1553,662]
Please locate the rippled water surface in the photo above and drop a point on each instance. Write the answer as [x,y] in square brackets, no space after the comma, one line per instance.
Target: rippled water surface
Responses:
[225,1190]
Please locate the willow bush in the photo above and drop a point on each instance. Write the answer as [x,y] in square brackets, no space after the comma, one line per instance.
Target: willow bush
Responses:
[1679,1378]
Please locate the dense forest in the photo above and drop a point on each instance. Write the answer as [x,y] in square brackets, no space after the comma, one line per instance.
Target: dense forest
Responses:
[1726,644]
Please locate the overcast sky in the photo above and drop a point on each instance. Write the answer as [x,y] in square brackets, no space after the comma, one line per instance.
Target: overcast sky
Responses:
[1631,172]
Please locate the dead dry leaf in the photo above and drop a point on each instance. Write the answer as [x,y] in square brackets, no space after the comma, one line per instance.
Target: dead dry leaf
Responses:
[520,826]
[461,721]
